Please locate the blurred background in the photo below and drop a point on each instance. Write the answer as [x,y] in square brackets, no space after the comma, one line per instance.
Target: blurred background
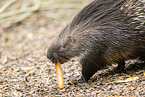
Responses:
[26,26]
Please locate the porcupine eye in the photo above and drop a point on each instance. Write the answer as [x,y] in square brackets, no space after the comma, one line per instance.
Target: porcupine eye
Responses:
[69,40]
[63,46]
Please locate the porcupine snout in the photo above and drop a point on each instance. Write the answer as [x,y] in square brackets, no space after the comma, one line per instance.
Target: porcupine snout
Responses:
[52,56]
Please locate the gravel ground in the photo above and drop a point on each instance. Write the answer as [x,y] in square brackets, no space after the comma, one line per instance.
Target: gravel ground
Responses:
[25,70]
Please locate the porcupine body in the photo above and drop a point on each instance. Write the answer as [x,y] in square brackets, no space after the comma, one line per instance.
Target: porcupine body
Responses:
[102,33]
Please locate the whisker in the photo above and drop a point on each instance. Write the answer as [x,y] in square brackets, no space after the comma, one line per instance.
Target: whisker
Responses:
[44,42]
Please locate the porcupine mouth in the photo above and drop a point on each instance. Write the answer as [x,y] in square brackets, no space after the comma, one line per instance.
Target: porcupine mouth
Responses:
[55,58]
[62,59]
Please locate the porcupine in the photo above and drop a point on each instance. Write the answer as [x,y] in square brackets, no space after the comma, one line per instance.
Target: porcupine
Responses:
[102,33]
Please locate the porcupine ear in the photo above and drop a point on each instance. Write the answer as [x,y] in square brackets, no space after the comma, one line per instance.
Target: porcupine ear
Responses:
[71,39]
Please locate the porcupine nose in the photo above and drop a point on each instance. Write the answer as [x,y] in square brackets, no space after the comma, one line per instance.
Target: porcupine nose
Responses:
[52,56]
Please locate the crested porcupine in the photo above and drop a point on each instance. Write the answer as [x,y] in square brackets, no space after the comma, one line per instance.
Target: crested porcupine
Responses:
[102,33]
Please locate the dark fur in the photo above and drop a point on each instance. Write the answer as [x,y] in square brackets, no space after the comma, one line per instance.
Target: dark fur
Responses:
[100,34]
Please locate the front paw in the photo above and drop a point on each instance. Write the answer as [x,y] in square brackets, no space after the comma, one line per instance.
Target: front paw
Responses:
[82,80]
[76,82]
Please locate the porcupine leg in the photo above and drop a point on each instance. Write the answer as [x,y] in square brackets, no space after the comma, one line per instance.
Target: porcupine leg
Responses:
[142,58]
[120,67]
[88,70]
